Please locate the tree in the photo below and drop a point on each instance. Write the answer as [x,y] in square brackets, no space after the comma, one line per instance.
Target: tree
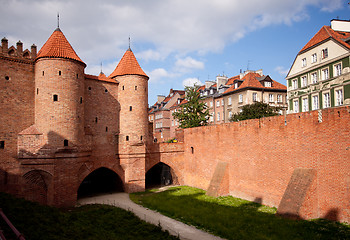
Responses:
[194,112]
[255,110]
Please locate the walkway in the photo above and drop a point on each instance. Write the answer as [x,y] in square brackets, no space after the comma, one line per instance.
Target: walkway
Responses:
[174,227]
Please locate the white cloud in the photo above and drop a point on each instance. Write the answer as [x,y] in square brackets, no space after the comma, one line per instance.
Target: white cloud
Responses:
[190,82]
[282,71]
[188,64]
[158,74]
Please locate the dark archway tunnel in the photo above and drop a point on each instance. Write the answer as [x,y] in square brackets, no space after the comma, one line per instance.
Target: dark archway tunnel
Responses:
[160,175]
[100,181]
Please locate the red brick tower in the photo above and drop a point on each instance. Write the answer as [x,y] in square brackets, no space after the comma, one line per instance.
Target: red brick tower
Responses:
[59,93]
[133,100]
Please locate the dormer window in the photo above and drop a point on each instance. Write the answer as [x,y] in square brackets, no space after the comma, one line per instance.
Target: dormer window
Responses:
[267,84]
[211,91]
[236,85]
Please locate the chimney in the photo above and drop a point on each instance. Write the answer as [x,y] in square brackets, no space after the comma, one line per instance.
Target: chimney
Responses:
[340,25]
[33,51]
[220,80]
[19,47]
[160,98]
[4,45]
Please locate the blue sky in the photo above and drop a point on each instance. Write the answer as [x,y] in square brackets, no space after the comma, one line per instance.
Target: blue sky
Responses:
[176,42]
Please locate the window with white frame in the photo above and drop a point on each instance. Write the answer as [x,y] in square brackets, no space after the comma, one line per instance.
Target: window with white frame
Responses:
[159,125]
[172,122]
[211,104]
[315,102]
[303,62]
[294,84]
[296,105]
[314,77]
[218,103]
[270,98]
[279,98]
[267,84]
[240,98]
[229,114]
[211,91]
[218,116]
[314,58]
[325,74]
[223,116]
[229,101]
[255,97]
[222,102]
[337,69]
[324,53]
[326,100]
[303,81]
[305,104]
[211,117]
[338,97]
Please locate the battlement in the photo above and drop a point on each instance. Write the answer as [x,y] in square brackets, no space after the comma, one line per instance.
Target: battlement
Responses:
[17,52]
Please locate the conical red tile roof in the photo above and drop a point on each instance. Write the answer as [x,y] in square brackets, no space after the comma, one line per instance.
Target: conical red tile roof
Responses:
[57,46]
[128,65]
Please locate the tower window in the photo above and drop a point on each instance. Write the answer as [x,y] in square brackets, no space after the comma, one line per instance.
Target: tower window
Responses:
[81,100]
[55,97]
[43,73]
[135,87]
[37,91]
[7,78]
[127,138]
[77,75]
[106,90]
[106,129]
[130,108]
[141,138]
[65,142]
[89,88]
[96,119]
[123,87]
[59,73]
[2,144]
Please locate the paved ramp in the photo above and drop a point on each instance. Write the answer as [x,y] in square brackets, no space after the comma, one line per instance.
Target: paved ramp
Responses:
[174,227]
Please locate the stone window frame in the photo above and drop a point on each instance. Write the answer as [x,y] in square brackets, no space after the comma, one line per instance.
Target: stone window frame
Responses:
[303,81]
[305,104]
[323,70]
[313,105]
[326,99]
[336,102]
[335,72]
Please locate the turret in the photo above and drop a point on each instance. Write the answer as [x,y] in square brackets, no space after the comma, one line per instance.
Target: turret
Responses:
[59,93]
[133,99]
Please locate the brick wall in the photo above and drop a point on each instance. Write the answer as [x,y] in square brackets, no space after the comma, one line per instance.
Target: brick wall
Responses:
[262,155]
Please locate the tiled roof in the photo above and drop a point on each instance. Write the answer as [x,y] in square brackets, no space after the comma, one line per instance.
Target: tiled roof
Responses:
[232,79]
[57,46]
[128,65]
[250,80]
[324,33]
[101,77]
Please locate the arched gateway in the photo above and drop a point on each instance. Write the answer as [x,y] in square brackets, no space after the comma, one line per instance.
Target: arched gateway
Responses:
[102,180]
[160,175]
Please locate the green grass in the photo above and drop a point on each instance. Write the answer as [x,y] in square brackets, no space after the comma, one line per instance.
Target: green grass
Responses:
[38,222]
[235,218]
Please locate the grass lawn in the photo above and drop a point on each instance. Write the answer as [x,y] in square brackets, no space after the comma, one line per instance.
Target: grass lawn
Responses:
[38,222]
[235,218]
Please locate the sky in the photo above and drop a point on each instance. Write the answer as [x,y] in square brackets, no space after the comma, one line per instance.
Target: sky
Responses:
[176,42]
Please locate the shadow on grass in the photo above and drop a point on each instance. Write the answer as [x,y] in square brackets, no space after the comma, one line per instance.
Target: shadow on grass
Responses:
[234,218]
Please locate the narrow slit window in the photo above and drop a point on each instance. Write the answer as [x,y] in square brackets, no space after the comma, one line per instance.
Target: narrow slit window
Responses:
[59,73]
[89,88]
[77,75]
[96,119]
[135,87]
[141,138]
[130,108]
[7,78]
[2,144]
[127,138]
[65,142]
[55,97]
[43,73]
[106,129]
[81,100]
[37,91]
[123,87]
[106,90]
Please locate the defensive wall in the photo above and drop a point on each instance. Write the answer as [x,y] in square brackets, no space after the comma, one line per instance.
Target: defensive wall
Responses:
[299,163]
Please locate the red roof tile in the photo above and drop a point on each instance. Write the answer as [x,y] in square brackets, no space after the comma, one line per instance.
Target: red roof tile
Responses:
[250,81]
[101,77]
[57,46]
[128,65]
[232,79]
[324,33]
